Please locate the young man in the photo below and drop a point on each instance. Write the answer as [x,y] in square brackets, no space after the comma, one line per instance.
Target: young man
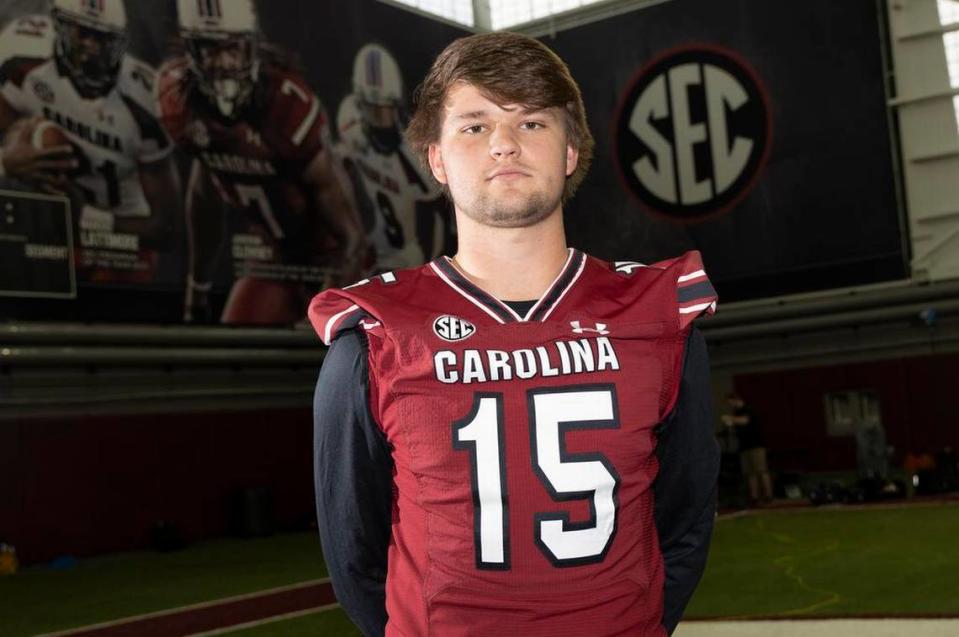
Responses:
[517,440]
[752,449]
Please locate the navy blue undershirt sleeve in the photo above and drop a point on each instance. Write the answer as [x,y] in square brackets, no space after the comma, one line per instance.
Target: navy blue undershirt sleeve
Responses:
[685,489]
[353,479]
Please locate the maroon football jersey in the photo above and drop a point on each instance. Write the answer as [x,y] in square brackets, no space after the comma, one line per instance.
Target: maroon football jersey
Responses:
[524,446]
[257,160]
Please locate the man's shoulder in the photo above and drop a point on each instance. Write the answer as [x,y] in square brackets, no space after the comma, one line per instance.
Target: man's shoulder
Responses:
[678,286]
[368,302]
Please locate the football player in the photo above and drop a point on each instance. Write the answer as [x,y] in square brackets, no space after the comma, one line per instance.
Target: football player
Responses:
[403,211]
[260,141]
[72,67]
[517,439]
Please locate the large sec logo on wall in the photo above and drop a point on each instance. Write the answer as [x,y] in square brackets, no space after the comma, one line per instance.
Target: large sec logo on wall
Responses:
[692,133]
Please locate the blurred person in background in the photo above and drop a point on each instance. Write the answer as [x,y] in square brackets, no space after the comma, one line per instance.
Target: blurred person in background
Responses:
[752,449]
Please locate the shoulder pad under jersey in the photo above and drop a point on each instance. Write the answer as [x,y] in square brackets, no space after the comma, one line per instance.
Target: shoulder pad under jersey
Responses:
[695,295]
[137,81]
[335,310]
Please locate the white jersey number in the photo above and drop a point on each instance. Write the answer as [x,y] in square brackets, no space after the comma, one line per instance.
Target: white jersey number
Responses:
[103,186]
[565,476]
[255,196]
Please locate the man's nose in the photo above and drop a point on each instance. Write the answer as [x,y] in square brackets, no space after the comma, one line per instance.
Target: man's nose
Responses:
[503,143]
[228,60]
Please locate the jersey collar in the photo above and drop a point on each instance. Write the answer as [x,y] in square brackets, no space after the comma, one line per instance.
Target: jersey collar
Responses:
[499,311]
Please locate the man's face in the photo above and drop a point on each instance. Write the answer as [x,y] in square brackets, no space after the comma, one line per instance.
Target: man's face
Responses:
[505,166]
[379,115]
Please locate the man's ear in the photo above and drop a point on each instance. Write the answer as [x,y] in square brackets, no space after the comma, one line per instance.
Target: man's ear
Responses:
[436,163]
[572,159]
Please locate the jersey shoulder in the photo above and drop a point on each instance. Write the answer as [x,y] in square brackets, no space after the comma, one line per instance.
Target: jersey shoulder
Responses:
[681,282]
[295,121]
[349,127]
[137,82]
[136,86]
[371,303]
[25,43]
[172,96]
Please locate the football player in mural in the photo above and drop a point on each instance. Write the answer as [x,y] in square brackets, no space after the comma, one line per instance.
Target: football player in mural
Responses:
[404,214]
[78,115]
[260,141]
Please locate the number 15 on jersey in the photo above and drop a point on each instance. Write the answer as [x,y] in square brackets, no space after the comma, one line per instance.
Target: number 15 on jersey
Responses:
[565,476]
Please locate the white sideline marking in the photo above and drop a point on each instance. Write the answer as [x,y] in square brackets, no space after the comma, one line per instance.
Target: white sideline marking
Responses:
[821,628]
[265,620]
[181,609]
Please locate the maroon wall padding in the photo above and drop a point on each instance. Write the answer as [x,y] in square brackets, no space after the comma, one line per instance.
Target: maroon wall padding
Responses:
[88,485]
[918,397]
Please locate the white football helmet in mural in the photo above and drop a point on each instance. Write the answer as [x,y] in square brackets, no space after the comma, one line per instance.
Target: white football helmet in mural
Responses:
[90,42]
[222,39]
[378,87]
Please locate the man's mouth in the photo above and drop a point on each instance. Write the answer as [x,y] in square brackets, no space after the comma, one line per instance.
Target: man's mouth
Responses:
[508,174]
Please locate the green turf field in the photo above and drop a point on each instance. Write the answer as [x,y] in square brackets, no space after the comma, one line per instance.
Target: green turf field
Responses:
[38,599]
[330,623]
[824,562]
[800,562]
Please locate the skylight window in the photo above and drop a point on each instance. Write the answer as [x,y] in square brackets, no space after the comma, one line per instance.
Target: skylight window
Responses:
[949,14]
[459,11]
[507,13]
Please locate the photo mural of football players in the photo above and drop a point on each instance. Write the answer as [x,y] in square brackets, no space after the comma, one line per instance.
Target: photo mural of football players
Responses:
[78,116]
[404,214]
[262,163]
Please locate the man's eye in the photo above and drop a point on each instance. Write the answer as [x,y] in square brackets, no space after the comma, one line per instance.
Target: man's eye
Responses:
[474,129]
[532,125]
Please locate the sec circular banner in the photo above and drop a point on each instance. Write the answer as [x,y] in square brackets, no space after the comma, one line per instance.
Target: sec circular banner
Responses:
[692,133]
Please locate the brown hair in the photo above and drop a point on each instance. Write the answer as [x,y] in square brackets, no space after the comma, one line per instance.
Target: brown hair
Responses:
[508,68]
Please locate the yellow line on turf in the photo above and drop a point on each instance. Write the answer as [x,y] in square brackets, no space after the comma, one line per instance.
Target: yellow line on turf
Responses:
[789,566]
[189,607]
[265,620]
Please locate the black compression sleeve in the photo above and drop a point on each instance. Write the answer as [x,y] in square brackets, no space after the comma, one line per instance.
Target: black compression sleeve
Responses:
[353,482]
[685,489]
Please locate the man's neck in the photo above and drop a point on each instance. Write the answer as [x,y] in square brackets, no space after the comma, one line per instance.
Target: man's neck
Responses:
[512,264]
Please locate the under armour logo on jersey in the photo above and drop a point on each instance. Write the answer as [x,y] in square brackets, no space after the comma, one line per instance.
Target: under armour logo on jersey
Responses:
[599,329]
[369,326]
[253,137]
[627,267]
[105,118]
[452,329]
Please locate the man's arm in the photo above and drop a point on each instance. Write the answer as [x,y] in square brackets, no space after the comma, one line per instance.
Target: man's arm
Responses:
[353,473]
[161,188]
[206,221]
[338,215]
[685,489]
[20,160]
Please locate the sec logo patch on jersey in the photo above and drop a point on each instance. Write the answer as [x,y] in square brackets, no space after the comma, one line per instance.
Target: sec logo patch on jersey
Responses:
[452,329]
